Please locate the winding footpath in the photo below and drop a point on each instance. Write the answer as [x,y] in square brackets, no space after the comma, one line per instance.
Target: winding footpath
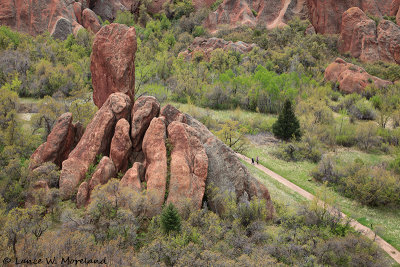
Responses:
[394,253]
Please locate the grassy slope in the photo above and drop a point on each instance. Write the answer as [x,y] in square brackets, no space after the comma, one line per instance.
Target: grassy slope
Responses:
[387,219]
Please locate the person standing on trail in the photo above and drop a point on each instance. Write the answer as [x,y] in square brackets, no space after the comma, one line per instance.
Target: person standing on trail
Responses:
[257,160]
[252,161]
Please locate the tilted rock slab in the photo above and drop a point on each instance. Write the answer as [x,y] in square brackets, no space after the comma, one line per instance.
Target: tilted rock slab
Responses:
[82,197]
[113,62]
[351,78]
[155,153]
[96,140]
[225,170]
[103,173]
[171,113]
[133,177]
[58,145]
[189,165]
[144,110]
[90,21]
[121,145]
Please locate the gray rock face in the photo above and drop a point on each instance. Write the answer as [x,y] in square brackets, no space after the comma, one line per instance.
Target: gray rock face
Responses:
[225,170]
[62,29]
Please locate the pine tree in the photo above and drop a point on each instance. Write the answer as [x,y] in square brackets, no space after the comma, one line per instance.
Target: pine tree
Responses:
[287,125]
[170,219]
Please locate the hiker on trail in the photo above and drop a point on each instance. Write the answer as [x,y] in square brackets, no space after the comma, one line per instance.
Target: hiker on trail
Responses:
[252,161]
[257,160]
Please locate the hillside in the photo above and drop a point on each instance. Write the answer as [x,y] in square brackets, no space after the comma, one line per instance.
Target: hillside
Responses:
[121,123]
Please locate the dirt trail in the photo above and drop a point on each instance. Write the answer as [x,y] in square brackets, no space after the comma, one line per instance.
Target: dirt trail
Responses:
[394,253]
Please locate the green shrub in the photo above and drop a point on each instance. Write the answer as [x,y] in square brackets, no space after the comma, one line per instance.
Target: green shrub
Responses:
[198,31]
[125,17]
[287,126]
[170,219]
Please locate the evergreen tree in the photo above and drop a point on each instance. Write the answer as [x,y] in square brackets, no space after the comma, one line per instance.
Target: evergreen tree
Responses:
[170,219]
[287,125]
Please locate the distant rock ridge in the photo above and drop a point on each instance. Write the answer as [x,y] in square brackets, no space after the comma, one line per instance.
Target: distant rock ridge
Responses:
[179,158]
[207,46]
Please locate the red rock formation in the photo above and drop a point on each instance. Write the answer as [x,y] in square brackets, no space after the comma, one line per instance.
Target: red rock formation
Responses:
[389,41]
[394,7]
[113,62]
[37,16]
[59,143]
[96,140]
[133,177]
[189,164]
[144,110]
[170,114]
[207,46]
[363,39]
[327,15]
[82,197]
[103,173]
[78,12]
[155,152]
[270,13]
[90,21]
[398,17]
[121,146]
[351,78]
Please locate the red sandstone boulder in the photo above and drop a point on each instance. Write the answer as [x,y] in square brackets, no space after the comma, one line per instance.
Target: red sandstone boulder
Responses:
[398,17]
[389,41]
[133,177]
[358,35]
[96,140]
[38,16]
[394,7]
[144,110]
[62,28]
[113,62]
[189,164]
[351,78]
[90,21]
[207,46]
[78,12]
[121,145]
[103,173]
[170,114]
[82,197]
[363,39]
[59,143]
[155,153]
[327,15]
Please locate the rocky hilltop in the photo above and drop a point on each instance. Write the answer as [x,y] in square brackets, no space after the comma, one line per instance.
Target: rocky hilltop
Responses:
[159,150]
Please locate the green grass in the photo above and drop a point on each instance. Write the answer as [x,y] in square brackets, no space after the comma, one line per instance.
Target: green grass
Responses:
[386,218]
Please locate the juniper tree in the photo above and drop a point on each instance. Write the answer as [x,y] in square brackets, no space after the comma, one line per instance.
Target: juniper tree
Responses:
[287,125]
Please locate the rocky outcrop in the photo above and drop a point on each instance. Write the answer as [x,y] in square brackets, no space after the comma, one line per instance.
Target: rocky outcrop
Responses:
[170,113]
[155,153]
[95,141]
[207,46]
[90,21]
[59,143]
[38,16]
[189,164]
[61,29]
[82,197]
[121,146]
[78,12]
[394,7]
[326,16]
[144,110]
[351,78]
[112,62]
[133,177]
[363,39]
[270,13]
[225,170]
[103,173]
